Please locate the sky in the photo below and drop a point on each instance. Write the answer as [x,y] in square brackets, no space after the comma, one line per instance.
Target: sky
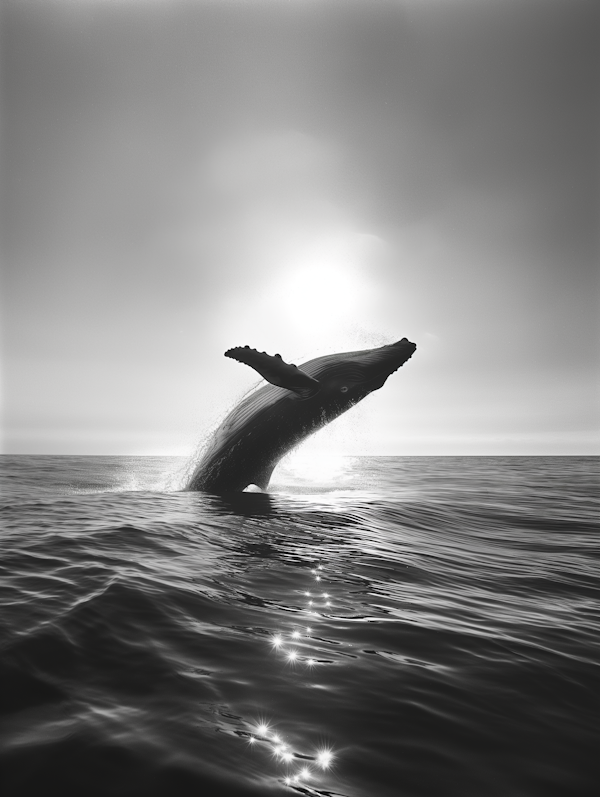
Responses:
[302,177]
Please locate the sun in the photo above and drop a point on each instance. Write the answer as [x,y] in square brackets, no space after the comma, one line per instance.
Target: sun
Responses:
[326,287]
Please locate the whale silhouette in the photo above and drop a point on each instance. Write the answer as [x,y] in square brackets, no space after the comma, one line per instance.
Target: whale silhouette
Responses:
[269,422]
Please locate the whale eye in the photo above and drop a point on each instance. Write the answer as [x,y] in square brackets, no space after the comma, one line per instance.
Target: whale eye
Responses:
[344,389]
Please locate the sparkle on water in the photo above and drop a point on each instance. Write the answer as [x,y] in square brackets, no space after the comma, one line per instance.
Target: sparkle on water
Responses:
[324,758]
[280,750]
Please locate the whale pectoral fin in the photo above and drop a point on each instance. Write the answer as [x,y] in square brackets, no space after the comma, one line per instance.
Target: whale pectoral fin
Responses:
[275,370]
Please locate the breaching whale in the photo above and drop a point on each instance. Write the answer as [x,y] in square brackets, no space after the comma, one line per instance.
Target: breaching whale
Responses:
[269,422]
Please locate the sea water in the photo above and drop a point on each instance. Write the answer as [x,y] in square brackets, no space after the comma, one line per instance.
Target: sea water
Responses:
[371,627]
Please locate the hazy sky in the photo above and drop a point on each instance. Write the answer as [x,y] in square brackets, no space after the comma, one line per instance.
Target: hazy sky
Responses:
[302,177]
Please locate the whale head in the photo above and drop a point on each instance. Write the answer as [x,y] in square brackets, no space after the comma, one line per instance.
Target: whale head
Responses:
[345,379]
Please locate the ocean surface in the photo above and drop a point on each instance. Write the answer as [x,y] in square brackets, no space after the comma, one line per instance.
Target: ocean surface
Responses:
[371,627]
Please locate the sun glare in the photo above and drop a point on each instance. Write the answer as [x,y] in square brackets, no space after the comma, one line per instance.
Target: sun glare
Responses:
[323,469]
[326,286]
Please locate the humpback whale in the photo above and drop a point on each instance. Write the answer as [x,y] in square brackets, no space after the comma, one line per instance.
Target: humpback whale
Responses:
[297,401]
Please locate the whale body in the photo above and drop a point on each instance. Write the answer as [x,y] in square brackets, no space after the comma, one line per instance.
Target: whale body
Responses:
[297,401]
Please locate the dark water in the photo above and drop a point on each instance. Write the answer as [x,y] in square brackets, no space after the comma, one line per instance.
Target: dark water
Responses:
[430,624]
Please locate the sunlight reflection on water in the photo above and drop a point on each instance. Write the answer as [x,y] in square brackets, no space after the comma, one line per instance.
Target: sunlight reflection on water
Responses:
[296,647]
[302,471]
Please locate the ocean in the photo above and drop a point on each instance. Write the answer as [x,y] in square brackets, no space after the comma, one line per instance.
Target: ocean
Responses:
[371,627]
